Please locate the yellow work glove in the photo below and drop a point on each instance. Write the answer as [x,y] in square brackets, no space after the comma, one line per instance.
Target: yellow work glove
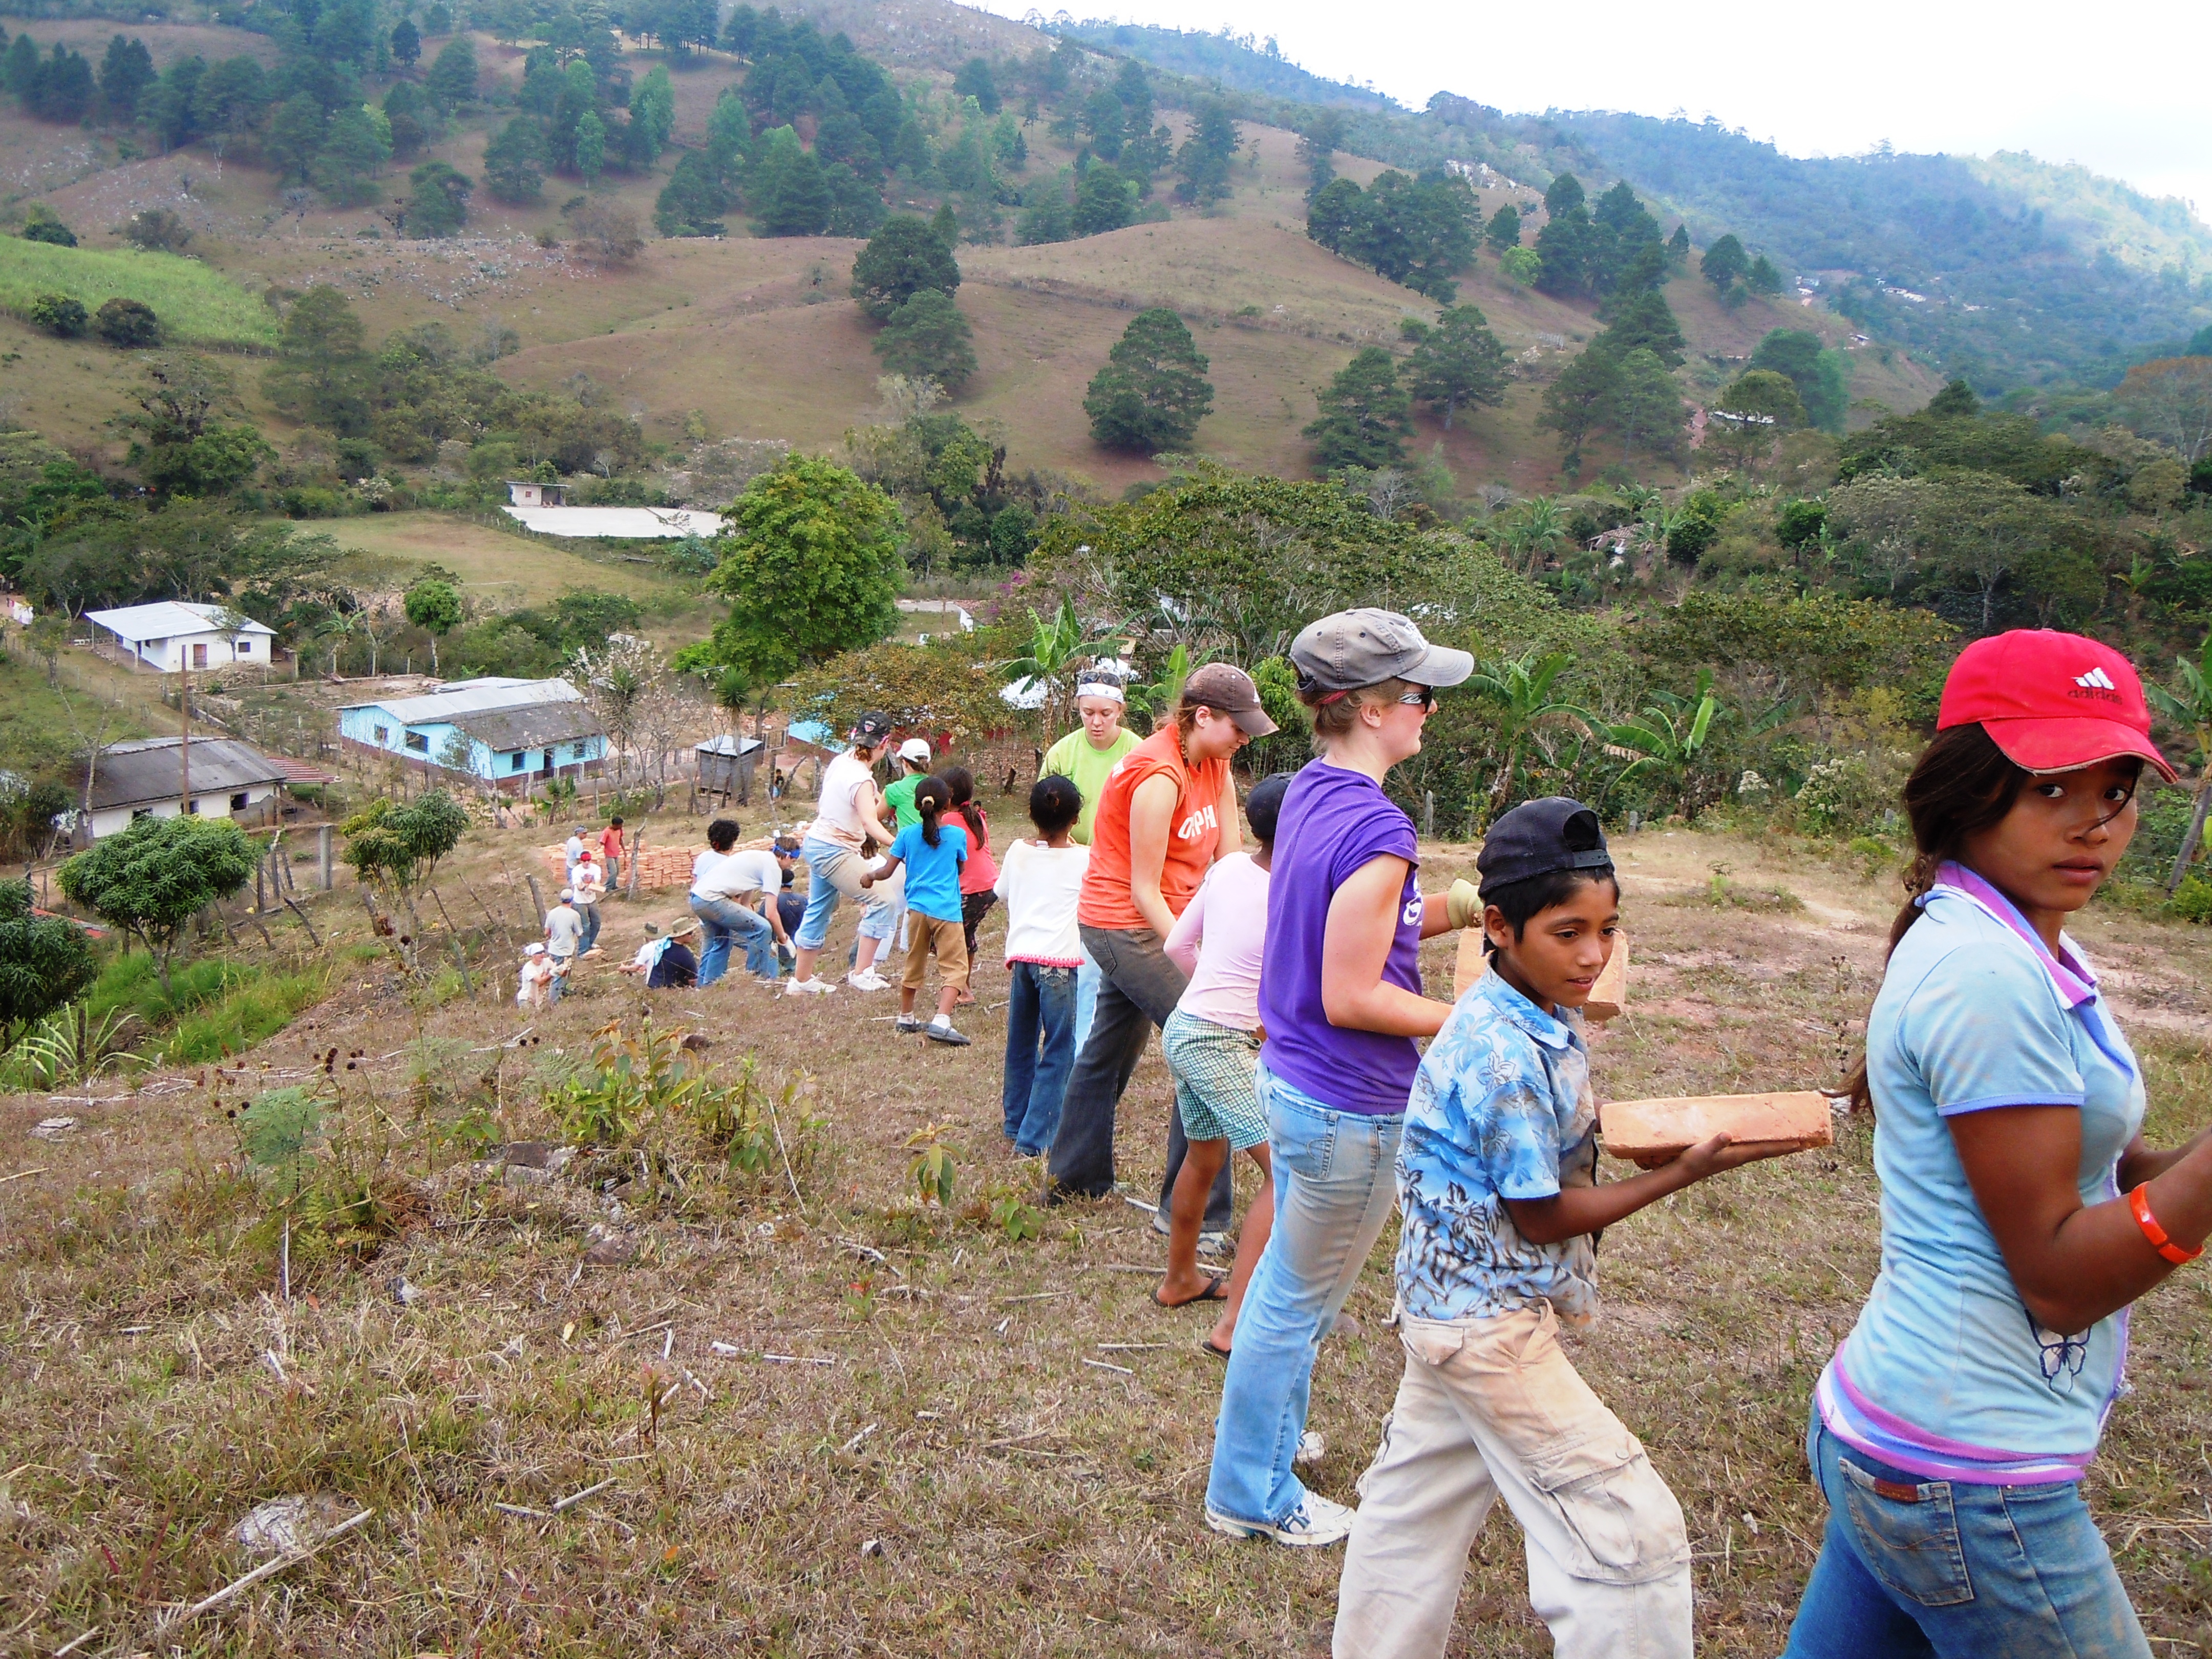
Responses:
[1464,903]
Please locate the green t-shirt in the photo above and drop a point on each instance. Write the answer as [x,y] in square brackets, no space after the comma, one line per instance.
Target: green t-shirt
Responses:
[901,797]
[1075,758]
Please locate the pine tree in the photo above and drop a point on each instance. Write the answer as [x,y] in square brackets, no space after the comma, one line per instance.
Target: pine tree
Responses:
[1457,361]
[1319,140]
[1763,277]
[1645,321]
[928,339]
[452,81]
[1574,403]
[1504,230]
[406,43]
[1365,415]
[1678,248]
[1723,262]
[1152,392]
[1644,407]
[1103,201]
[906,255]
[1202,163]
[515,161]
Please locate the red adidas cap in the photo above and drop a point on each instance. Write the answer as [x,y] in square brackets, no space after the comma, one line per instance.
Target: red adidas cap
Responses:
[2053,701]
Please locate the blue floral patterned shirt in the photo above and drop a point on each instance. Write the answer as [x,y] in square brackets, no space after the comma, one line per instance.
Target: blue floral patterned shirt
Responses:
[1501,1108]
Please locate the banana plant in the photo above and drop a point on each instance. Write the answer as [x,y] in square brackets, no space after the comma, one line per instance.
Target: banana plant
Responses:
[2189,703]
[1519,692]
[1669,736]
[1056,643]
[1163,692]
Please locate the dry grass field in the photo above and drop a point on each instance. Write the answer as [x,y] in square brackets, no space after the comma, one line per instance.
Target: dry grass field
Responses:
[831,1420]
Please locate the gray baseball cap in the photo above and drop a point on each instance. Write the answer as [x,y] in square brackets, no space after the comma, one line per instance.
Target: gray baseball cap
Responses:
[1352,648]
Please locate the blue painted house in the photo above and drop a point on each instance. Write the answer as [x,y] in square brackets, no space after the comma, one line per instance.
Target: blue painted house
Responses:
[512,734]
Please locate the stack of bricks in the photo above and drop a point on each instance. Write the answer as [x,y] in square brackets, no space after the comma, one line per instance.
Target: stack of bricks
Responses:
[660,866]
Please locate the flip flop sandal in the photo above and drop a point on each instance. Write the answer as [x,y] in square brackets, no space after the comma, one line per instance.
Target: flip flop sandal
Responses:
[1217,1290]
[1206,1346]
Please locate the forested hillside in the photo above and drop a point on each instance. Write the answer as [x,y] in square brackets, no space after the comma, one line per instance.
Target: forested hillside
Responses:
[2008,271]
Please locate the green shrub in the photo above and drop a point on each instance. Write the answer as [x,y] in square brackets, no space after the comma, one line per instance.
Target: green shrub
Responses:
[1838,794]
[59,315]
[2192,900]
[127,323]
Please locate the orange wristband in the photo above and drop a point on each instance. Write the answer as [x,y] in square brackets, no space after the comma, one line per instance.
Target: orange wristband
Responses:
[2139,1206]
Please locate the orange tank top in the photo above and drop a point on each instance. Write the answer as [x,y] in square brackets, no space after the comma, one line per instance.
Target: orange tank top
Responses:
[1194,832]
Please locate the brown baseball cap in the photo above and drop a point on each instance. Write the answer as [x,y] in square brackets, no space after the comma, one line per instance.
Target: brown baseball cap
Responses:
[1228,690]
[1352,648]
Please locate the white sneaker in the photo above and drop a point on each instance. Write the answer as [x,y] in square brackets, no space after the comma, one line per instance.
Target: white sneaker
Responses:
[1311,1449]
[1316,1523]
[809,987]
[870,981]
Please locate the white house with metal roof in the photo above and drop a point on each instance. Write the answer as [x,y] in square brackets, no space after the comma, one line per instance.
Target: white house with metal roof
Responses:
[170,635]
[510,733]
[229,780]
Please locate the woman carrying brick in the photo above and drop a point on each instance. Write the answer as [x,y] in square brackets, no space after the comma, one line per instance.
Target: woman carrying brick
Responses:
[2021,1212]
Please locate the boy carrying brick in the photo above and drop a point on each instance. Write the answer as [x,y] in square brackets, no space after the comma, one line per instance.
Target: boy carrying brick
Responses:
[1497,1181]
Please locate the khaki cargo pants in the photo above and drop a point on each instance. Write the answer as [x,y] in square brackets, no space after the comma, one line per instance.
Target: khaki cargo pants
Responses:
[1493,1407]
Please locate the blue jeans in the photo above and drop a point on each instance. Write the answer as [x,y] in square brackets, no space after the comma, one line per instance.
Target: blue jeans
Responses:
[718,929]
[1335,1183]
[832,872]
[1911,1566]
[1041,1004]
[590,914]
[1086,999]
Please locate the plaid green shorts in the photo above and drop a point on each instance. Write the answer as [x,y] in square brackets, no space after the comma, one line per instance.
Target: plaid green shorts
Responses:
[1213,1068]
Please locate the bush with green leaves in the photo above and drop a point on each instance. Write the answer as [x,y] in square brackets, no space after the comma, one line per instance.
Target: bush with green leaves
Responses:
[1838,794]
[154,877]
[127,324]
[41,224]
[402,844]
[2192,900]
[45,961]
[59,315]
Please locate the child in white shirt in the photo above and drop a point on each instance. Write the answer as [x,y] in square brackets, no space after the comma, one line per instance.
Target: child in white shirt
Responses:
[1040,882]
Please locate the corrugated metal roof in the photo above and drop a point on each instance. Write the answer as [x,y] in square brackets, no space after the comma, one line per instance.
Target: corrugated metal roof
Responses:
[726,744]
[449,702]
[136,773]
[505,730]
[167,618]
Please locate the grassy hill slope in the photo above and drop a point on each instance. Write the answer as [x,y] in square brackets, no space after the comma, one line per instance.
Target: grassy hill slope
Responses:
[758,335]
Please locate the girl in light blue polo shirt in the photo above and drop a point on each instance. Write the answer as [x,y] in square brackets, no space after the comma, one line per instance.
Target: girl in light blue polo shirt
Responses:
[2021,1212]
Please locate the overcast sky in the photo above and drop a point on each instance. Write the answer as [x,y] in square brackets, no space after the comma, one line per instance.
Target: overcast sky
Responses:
[2120,86]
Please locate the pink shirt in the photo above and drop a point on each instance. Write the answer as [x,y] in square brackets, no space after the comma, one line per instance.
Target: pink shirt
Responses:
[1217,940]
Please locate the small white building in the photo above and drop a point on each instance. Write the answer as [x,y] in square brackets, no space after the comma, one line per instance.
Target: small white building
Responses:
[521,492]
[229,780]
[618,523]
[171,636]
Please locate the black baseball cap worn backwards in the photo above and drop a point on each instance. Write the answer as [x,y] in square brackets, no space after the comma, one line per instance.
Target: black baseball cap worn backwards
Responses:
[1538,837]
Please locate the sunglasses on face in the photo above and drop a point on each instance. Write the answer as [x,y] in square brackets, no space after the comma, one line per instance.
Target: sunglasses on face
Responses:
[1421,696]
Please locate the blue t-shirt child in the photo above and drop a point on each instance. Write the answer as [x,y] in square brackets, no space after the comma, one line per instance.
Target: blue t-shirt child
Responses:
[1501,1108]
[1947,1375]
[933,873]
